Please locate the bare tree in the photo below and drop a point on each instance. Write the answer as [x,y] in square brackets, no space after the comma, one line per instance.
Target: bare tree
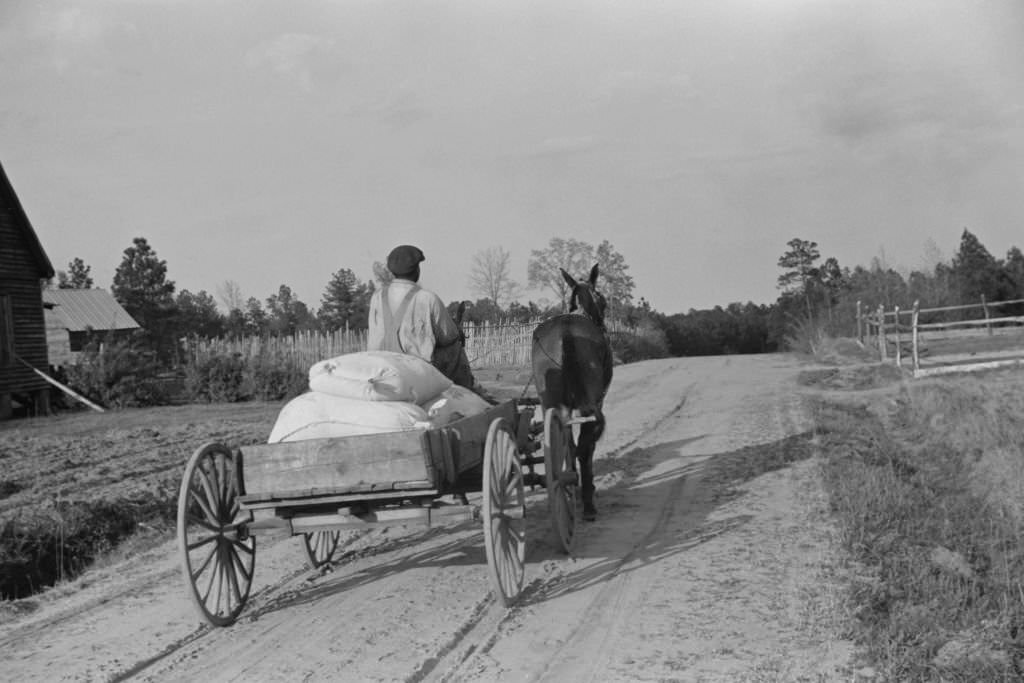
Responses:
[491,276]
[575,256]
[230,294]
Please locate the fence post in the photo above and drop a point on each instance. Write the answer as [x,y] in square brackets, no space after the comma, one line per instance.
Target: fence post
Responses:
[881,331]
[984,306]
[914,337]
[860,333]
[899,351]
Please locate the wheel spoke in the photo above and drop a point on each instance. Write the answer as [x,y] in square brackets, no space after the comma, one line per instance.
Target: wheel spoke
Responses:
[232,574]
[205,563]
[213,573]
[243,546]
[199,497]
[213,503]
[193,519]
[203,541]
[237,561]
[220,461]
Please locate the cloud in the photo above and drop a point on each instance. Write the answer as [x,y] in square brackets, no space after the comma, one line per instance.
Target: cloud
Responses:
[75,32]
[291,55]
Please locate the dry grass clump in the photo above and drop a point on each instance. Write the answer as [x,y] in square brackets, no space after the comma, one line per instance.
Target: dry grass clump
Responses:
[856,378]
[938,591]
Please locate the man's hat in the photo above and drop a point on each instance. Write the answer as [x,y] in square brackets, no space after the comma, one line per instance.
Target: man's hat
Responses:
[404,259]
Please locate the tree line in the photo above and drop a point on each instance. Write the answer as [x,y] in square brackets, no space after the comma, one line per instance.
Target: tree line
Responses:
[814,291]
[141,284]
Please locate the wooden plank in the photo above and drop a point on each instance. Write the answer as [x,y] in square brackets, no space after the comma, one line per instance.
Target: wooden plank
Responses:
[346,464]
[261,501]
[967,367]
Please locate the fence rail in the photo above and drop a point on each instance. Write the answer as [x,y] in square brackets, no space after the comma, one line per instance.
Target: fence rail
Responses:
[885,329]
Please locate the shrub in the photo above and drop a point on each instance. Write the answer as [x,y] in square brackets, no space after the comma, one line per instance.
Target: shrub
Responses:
[274,377]
[39,550]
[117,374]
[645,343]
[217,379]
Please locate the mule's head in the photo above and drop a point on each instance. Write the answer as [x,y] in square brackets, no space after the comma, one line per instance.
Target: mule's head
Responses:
[585,297]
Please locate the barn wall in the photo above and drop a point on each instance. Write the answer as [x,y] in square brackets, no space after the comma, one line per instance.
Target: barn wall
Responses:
[20,280]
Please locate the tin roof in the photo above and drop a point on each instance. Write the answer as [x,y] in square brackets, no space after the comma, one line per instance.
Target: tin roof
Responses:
[81,309]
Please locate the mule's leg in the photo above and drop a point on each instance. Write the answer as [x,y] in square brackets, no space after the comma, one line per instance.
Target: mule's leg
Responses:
[585,458]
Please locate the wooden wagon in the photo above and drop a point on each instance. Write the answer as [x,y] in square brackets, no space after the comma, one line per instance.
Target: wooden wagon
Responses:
[320,488]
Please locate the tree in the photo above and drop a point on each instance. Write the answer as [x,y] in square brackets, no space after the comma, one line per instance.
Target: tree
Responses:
[76,277]
[975,270]
[198,315]
[286,314]
[833,282]
[490,275]
[346,302]
[230,295]
[614,282]
[573,255]
[141,286]
[255,317]
[801,273]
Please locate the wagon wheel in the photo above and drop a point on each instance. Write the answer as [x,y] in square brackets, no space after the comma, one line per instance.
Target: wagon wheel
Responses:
[320,547]
[217,553]
[562,480]
[504,508]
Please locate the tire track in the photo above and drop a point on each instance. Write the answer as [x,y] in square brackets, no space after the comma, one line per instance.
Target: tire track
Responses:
[482,631]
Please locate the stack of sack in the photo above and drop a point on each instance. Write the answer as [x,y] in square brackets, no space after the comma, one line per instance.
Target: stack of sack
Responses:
[373,392]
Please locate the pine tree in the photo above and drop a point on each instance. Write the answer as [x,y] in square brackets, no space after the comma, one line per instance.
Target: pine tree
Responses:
[346,302]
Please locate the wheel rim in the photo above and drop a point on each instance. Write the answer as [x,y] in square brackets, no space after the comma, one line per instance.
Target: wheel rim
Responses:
[320,547]
[504,506]
[562,480]
[218,555]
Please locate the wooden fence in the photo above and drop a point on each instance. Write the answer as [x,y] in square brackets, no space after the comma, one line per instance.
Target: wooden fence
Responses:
[500,345]
[959,340]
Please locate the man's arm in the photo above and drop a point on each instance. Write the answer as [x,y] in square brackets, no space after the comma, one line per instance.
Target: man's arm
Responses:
[446,332]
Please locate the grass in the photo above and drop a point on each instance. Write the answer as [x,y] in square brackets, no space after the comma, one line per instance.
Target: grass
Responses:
[934,470]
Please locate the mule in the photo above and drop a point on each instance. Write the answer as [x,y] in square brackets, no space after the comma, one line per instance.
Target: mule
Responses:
[572,368]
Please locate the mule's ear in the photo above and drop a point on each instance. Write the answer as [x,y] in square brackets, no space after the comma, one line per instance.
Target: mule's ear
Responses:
[568,278]
[593,276]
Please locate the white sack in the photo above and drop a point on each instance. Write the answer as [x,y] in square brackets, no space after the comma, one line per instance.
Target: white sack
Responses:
[454,403]
[319,416]
[378,376]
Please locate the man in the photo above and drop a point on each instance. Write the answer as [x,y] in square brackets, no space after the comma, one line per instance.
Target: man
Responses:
[407,318]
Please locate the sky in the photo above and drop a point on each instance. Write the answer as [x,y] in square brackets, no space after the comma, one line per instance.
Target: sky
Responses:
[270,143]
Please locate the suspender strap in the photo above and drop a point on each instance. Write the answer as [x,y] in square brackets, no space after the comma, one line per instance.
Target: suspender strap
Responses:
[392,321]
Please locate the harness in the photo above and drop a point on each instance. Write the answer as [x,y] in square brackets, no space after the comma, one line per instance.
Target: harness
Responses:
[392,321]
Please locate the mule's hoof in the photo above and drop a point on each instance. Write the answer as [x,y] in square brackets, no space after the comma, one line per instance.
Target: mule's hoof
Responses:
[590,516]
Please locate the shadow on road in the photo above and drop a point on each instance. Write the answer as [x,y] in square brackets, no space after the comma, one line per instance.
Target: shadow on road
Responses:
[624,538]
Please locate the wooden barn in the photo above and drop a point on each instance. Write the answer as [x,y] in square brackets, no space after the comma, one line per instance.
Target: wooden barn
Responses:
[73,315]
[23,267]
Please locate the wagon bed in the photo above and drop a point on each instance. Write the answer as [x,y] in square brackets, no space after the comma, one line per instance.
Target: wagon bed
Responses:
[321,487]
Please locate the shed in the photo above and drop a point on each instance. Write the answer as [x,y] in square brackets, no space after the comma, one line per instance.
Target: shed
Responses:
[23,267]
[73,314]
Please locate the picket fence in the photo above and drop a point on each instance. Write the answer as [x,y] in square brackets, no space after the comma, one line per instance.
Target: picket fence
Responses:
[489,345]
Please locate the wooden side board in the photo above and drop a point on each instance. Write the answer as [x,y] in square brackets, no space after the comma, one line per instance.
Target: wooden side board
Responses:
[351,464]
[395,461]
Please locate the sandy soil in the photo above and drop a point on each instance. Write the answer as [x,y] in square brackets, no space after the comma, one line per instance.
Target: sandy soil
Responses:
[696,570]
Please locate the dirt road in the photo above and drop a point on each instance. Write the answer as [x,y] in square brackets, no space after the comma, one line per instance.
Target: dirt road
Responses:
[712,559]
